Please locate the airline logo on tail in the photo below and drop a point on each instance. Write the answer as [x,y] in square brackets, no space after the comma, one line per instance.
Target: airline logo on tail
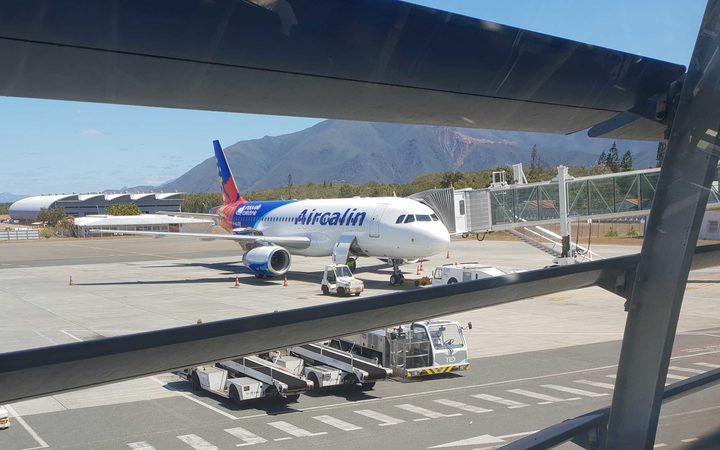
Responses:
[229,189]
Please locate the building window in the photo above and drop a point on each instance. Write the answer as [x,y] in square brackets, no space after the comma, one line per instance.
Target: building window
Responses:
[462,207]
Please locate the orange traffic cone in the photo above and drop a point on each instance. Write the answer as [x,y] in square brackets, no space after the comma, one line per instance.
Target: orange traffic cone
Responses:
[237,282]
[421,267]
[71,281]
[285,281]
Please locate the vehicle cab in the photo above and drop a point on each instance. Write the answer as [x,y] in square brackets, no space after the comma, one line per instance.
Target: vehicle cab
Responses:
[338,279]
[4,417]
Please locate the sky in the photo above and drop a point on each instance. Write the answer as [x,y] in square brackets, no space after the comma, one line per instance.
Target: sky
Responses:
[61,147]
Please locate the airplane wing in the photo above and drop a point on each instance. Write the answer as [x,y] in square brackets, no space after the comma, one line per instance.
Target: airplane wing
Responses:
[298,242]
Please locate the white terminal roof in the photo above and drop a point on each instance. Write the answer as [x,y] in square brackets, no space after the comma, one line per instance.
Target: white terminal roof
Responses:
[141,220]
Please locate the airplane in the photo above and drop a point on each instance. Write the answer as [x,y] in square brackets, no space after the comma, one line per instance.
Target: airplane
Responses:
[391,228]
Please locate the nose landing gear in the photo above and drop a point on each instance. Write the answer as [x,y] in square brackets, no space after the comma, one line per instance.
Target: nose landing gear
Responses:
[397,277]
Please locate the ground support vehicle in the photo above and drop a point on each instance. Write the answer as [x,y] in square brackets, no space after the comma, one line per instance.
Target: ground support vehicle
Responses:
[326,366]
[427,347]
[455,273]
[338,279]
[4,418]
[249,378]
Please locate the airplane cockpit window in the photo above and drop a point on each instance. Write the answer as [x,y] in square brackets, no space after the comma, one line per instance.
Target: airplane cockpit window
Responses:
[409,218]
[423,218]
[400,219]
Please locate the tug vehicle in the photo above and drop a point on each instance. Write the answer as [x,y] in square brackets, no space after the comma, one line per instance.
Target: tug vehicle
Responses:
[338,280]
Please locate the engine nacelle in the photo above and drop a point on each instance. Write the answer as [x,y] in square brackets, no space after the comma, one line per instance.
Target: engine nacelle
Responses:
[267,260]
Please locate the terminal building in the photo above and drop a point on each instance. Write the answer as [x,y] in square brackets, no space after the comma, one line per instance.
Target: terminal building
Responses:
[81,205]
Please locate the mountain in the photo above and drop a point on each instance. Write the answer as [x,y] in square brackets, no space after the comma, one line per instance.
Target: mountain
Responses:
[6,197]
[358,152]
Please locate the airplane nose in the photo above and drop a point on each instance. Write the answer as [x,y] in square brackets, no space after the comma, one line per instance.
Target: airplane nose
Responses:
[438,240]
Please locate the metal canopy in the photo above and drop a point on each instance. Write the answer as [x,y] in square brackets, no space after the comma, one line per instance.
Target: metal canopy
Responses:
[374,60]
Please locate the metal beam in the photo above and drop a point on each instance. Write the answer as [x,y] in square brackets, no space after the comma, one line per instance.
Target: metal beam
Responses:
[673,228]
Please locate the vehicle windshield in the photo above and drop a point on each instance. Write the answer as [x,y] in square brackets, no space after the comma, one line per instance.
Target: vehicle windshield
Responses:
[447,335]
[343,271]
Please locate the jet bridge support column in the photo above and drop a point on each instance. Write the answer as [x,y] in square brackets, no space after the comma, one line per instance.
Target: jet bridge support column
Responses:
[562,177]
[667,252]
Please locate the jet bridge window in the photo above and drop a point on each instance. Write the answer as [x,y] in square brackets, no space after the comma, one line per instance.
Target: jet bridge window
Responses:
[423,218]
[434,217]
[409,218]
[400,219]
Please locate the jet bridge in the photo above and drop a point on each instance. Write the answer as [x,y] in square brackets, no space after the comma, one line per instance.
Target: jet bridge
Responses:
[503,207]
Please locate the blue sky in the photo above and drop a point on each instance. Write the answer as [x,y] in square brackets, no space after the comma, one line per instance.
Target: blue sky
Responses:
[54,146]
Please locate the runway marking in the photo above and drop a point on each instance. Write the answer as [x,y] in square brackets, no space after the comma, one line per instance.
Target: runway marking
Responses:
[685,369]
[72,336]
[337,423]
[380,417]
[193,399]
[484,439]
[710,365]
[676,377]
[31,432]
[472,386]
[574,391]
[425,412]
[196,442]
[282,439]
[44,336]
[293,430]
[142,445]
[687,413]
[659,445]
[246,436]
[596,384]
[462,406]
[512,404]
[546,399]
[689,440]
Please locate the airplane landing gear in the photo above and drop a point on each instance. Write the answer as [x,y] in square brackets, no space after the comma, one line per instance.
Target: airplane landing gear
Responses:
[397,277]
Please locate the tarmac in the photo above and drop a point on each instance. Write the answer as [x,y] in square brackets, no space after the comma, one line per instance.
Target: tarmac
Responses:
[127,285]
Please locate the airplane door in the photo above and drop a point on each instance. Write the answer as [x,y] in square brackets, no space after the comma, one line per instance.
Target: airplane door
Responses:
[375,220]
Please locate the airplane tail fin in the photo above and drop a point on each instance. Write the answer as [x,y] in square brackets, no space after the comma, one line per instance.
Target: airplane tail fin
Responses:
[228,187]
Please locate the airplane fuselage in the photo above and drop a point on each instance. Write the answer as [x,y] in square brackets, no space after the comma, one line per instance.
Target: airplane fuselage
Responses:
[375,223]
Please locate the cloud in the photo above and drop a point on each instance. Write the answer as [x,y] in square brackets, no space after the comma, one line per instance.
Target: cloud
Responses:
[92,132]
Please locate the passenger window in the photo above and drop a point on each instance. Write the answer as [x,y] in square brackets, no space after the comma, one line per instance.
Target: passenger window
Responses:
[400,219]
[409,218]
[423,218]
[462,207]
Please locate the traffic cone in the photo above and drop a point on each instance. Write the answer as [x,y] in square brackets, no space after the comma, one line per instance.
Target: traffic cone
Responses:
[421,267]
[71,281]
[285,281]
[237,282]
[417,272]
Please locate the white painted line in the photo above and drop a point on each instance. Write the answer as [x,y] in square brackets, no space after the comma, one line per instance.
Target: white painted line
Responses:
[246,436]
[422,419]
[193,399]
[596,384]
[196,442]
[710,365]
[282,439]
[611,376]
[463,406]
[689,440]
[685,369]
[337,423]
[293,430]
[676,377]
[475,441]
[574,391]
[45,337]
[543,397]
[689,413]
[659,445]
[502,401]
[524,433]
[31,432]
[72,336]
[142,445]
[380,417]
[425,412]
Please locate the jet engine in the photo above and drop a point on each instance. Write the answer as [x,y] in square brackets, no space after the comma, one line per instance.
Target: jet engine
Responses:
[267,261]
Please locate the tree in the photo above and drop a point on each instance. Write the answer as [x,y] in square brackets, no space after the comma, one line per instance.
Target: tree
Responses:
[345,191]
[51,216]
[626,165]
[660,155]
[602,160]
[125,209]
[613,160]
[200,203]
[451,179]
